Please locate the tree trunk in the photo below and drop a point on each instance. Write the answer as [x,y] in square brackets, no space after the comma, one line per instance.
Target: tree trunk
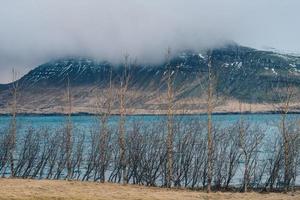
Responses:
[209,128]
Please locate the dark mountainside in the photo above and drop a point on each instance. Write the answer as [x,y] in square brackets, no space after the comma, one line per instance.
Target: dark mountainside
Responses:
[241,73]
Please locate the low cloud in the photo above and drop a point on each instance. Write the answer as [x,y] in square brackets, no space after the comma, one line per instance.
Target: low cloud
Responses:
[33,31]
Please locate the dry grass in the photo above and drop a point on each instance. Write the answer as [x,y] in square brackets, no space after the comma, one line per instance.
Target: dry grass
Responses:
[85,99]
[17,189]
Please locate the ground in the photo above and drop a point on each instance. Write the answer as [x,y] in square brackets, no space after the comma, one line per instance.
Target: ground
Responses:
[17,189]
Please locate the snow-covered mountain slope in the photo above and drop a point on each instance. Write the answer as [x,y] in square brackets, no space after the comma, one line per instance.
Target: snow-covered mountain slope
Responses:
[240,73]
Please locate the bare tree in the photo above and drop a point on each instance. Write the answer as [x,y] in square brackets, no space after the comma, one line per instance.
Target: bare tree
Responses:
[28,153]
[285,96]
[209,125]
[105,113]
[170,134]
[286,136]
[122,110]
[250,139]
[274,155]
[244,148]
[69,130]
[13,123]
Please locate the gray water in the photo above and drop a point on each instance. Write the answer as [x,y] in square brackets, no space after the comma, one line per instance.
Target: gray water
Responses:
[84,123]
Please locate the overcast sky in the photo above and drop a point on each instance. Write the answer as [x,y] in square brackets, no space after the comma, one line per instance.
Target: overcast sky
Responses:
[35,31]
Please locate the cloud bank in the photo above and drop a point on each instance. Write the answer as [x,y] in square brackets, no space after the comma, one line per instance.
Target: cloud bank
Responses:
[34,31]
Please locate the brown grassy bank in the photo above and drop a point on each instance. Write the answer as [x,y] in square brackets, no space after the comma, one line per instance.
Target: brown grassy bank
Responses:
[17,189]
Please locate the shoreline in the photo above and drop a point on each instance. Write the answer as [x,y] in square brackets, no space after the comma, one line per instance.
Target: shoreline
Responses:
[152,114]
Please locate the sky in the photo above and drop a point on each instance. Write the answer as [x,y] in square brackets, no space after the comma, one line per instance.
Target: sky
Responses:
[35,31]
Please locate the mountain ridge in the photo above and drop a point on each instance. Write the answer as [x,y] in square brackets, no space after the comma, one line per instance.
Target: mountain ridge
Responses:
[242,74]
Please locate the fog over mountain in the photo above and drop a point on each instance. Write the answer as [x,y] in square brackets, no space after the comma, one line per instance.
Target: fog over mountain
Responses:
[33,32]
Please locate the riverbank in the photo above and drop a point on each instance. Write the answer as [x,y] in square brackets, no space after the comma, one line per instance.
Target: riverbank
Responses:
[17,189]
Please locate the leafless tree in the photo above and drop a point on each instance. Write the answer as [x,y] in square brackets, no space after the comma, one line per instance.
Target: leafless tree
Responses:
[226,156]
[105,109]
[170,134]
[250,139]
[13,123]
[28,153]
[69,130]
[78,157]
[285,96]
[122,110]
[209,125]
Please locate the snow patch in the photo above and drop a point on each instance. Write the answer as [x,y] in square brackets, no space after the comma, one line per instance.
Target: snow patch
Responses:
[201,56]
[274,72]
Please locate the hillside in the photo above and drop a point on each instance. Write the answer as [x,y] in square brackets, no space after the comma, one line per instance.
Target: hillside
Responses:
[17,189]
[240,73]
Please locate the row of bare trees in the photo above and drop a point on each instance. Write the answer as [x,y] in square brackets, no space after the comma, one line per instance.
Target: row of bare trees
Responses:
[171,153]
[243,156]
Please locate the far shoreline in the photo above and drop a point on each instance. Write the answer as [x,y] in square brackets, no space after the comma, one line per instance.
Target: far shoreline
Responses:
[151,114]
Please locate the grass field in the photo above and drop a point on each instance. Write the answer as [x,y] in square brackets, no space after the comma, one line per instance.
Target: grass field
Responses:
[20,189]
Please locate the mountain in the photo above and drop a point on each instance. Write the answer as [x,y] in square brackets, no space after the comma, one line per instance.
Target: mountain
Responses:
[239,73]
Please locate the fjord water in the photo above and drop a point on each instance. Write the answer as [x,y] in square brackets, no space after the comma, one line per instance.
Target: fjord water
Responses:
[85,122]
[269,123]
